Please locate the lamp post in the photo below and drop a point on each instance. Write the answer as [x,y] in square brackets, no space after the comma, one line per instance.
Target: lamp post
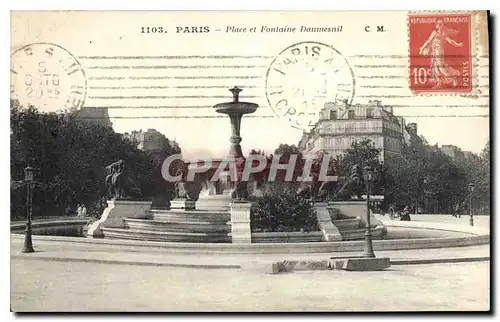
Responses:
[28,178]
[471,190]
[368,177]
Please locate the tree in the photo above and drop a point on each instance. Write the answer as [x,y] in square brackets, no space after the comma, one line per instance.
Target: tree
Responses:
[476,169]
[286,150]
[424,176]
[362,153]
[71,156]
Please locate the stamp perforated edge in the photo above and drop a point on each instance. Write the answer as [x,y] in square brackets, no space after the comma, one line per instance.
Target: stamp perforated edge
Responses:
[474,32]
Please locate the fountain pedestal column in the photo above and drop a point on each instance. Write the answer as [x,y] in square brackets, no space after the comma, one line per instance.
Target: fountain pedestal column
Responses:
[235,110]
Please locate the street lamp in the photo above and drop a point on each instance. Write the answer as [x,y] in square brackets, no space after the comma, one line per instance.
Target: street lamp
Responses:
[471,190]
[28,178]
[368,178]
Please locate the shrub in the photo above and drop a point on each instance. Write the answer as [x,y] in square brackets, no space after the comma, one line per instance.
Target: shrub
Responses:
[281,210]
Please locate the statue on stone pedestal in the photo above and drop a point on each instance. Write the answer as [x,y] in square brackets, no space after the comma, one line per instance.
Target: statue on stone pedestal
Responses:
[317,190]
[182,187]
[240,191]
[119,184]
[354,185]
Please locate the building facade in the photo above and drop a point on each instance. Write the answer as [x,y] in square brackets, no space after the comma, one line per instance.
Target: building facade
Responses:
[341,125]
[94,115]
[153,141]
[452,151]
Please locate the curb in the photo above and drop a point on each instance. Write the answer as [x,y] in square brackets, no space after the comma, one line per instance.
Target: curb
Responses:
[233,266]
[276,248]
[134,263]
[439,260]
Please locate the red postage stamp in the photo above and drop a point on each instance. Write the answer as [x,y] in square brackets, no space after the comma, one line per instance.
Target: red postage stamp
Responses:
[440,53]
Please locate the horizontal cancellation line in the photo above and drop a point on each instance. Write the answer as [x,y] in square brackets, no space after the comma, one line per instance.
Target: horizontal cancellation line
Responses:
[414,66]
[176,66]
[242,97]
[241,86]
[256,66]
[171,77]
[260,56]
[266,106]
[167,87]
[236,77]
[263,116]
[166,96]
[406,76]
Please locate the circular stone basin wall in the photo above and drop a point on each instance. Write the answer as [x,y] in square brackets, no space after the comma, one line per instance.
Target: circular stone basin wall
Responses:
[56,227]
[418,233]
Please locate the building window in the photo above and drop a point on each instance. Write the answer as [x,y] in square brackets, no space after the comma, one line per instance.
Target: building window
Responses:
[362,127]
[350,114]
[333,115]
[350,128]
[369,113]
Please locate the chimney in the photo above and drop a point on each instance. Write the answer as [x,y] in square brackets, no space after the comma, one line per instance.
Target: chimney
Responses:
[346,104]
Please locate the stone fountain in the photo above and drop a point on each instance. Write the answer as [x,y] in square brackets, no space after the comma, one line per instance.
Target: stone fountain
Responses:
[235,110]
[217,195]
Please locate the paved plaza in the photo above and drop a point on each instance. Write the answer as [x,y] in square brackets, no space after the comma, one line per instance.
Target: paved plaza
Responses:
[66,286]
[70,276]
[479,221]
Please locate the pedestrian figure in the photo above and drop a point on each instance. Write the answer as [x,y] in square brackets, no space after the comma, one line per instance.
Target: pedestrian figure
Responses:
[405,216]
[456,210]
[391,213]
[83,211]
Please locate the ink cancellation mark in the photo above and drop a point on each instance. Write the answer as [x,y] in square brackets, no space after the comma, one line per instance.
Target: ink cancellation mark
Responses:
[303,78]
[47,77]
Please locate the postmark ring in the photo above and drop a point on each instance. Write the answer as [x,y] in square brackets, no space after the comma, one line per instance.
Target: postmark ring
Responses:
[305,76]
[48,77]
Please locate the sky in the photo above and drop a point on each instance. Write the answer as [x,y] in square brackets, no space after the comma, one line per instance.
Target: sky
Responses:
[171,81]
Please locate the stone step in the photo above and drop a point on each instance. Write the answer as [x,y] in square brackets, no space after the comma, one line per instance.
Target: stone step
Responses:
[180,218]
[178,226]
[188,215]
[347,224]
[149,235]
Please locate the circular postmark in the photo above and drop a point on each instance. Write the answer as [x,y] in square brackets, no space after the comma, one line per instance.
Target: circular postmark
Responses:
[303,78]
[47,77]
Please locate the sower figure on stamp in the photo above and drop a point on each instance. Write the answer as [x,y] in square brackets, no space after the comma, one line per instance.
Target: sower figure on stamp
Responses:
[441,72]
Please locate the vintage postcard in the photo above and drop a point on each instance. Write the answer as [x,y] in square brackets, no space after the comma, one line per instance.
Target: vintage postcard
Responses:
[259,161]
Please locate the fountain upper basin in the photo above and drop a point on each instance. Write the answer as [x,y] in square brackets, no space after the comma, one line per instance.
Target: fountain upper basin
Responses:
[236,107]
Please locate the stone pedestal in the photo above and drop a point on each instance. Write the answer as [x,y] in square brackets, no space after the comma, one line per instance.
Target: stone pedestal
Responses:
[182,204]
[214,202]
[113,215]
[360,264]
[330,232]
[352,209]
[240,222]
